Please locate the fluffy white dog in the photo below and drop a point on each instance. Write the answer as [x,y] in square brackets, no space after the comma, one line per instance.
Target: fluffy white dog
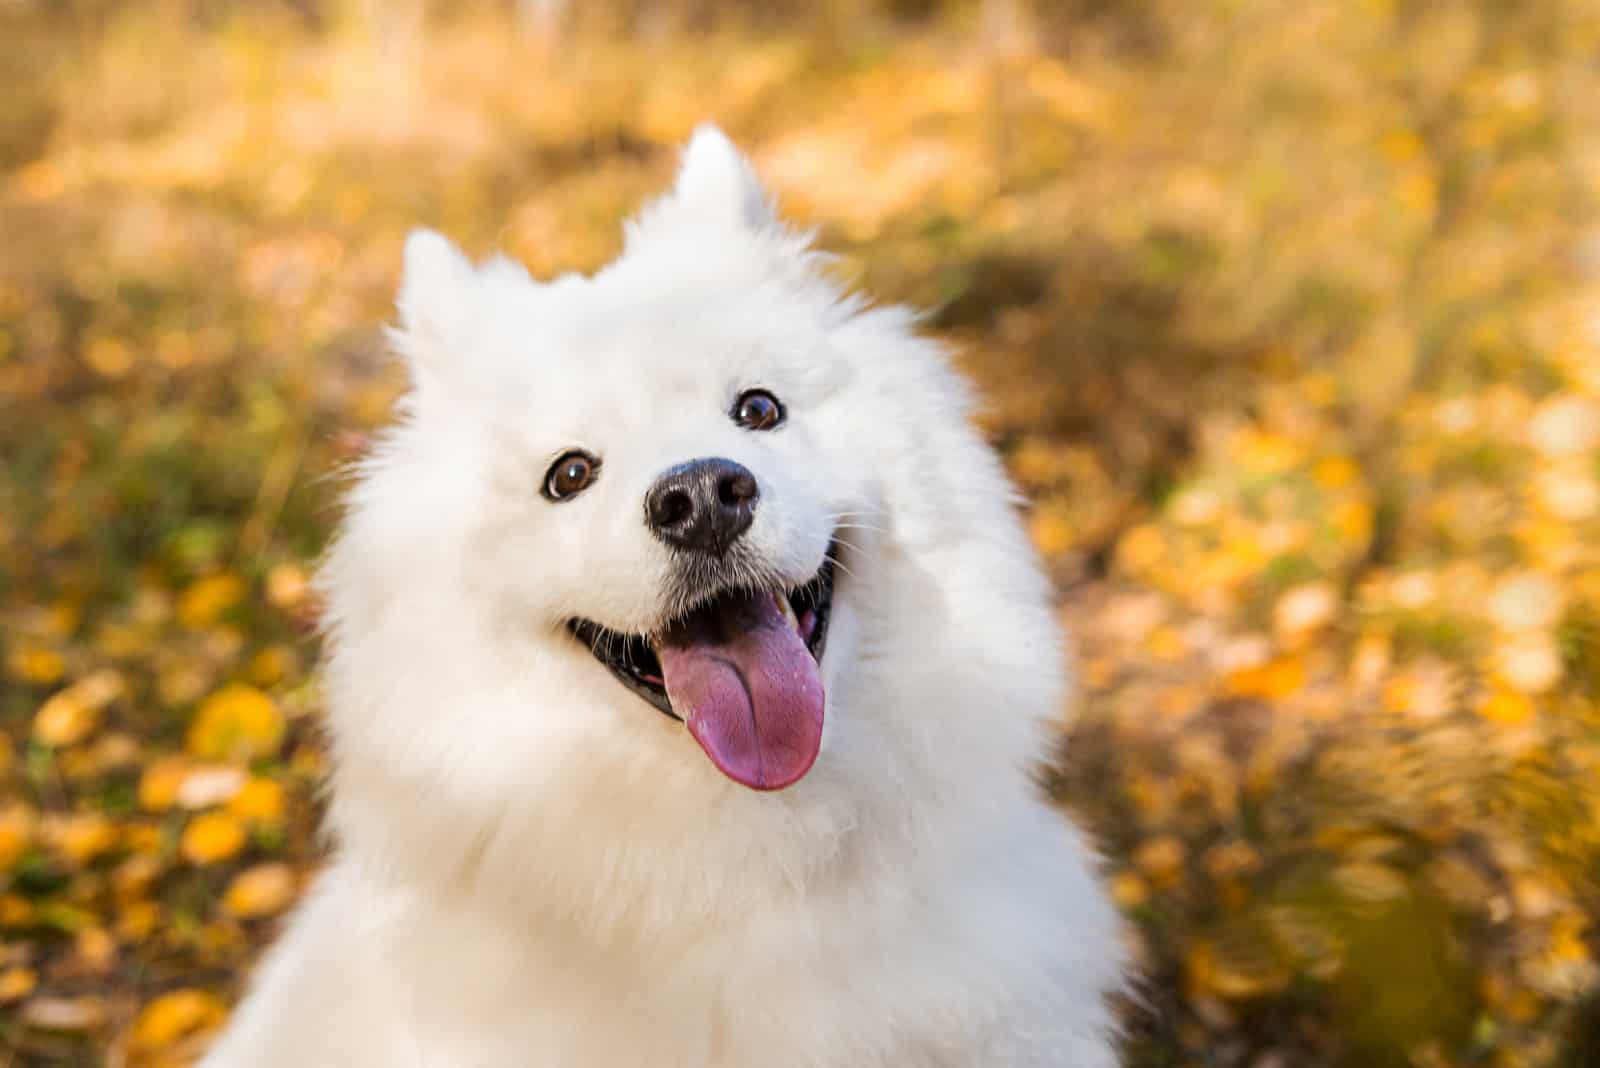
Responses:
[688,668]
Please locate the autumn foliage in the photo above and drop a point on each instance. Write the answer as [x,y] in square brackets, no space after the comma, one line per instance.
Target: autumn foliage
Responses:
[1285,311]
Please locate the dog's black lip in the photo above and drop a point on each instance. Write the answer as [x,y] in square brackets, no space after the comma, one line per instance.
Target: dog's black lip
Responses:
[632,662]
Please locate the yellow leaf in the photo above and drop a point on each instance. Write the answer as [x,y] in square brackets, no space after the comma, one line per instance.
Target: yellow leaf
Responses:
[100,688]
[84,836]
[261,801]
[36,663]
[208,598]
[15,911]
[134,876]
[1417,192]
[1037,461]
[1506,706]
[1051,531]
[96,949]
[1161,859]
[121,641]
[182,680]
[65,719]
[211,837]
[1275,678]
[1335,472]
[1167,643]
[287,585]
[260,891]
[176,1015]
[1129,891]
[1141,549]
[1400,693]
[16,832]
[1266,452]
[17,983]
[161,781]
[1352,521]
[1567,941]
[1401,145]
[272,665]
[238,722]
[138,921]
[1539,895]
[141,837]
[109,356]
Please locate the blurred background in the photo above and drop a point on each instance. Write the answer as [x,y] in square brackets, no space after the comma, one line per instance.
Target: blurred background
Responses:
[1285,310]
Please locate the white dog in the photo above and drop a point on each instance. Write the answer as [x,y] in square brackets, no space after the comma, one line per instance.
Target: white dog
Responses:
[688,668]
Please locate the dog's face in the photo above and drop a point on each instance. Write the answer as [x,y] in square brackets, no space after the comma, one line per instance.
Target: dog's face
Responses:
[659,469]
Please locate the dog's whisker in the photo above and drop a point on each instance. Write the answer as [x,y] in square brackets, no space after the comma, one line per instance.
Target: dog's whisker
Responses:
[866,527]
[844,543]
[834,560]
[856,519]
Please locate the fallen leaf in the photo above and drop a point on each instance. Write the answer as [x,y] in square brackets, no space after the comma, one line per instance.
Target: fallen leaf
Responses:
[206,787]
[238,722]
[211,837]
[259,801]
[16,984]
[83,836]
[161,781]
[65,719]
[204,601]
[175,1015]
[260,891]
[75,1015]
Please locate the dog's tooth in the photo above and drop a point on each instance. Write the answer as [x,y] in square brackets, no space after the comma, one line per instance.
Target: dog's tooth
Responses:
[786,608]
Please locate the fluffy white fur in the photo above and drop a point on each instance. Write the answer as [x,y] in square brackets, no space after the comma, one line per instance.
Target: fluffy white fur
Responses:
[533,867]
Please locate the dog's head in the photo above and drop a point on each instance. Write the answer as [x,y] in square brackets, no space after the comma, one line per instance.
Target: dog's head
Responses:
[701,485]
[649,465]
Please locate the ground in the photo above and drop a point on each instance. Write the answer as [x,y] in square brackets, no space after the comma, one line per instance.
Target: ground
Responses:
[1285,314]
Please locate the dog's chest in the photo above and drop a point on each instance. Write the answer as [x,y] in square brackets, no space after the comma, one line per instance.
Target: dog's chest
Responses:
[720,1008]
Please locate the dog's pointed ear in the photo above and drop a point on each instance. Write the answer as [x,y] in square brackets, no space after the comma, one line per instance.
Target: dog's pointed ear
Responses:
[716,181]
[438,291]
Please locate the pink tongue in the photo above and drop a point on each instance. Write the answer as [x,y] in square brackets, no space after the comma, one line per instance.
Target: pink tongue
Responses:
[743,680]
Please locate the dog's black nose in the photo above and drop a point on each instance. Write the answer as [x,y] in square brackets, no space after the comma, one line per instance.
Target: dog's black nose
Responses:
[703,505]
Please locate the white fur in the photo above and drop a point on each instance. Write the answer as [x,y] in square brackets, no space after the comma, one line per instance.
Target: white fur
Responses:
[535,868]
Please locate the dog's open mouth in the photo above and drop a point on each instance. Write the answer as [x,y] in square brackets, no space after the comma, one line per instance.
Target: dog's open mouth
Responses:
[741,670]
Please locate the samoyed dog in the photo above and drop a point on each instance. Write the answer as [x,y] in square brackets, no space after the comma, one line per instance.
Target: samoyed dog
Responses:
[689,672]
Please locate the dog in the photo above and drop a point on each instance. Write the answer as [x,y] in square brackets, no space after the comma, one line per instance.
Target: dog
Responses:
[689,669]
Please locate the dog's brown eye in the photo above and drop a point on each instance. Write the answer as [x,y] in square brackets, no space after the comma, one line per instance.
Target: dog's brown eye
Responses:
[756,409]
[570,475]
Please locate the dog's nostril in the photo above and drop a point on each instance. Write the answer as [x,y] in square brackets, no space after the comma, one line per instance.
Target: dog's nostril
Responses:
[737,488]
[672,508]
